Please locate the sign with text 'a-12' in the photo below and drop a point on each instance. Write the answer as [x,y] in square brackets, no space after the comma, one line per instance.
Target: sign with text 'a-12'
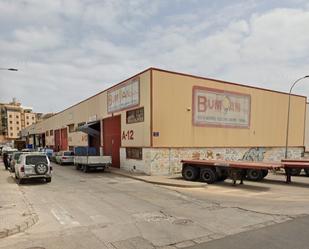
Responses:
[124,96]
[215,107]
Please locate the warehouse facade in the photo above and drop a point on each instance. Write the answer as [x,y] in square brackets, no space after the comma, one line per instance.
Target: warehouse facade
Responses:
[151,121]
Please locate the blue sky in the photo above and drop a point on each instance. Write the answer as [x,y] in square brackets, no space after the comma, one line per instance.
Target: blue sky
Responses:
[69,50]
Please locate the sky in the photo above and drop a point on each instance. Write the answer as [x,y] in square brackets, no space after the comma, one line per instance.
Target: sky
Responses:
[68,50]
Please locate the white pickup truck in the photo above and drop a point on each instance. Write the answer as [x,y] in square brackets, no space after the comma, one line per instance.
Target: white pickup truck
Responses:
[87,161]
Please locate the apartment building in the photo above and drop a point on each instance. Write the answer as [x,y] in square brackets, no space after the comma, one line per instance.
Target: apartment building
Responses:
[13,118]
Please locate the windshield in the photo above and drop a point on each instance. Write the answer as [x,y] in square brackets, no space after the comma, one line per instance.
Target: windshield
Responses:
[34,159]
[68,153]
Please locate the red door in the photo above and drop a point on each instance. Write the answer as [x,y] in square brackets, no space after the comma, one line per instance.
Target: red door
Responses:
[64,139]
[112,139]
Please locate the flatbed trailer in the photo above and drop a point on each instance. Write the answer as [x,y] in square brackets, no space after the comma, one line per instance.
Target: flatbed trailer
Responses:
[212,171]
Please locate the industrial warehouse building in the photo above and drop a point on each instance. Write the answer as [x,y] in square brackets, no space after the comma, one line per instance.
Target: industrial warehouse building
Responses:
[151,121]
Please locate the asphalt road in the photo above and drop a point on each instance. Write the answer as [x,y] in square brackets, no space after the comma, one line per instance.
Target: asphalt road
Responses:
[289,235]
[103,210]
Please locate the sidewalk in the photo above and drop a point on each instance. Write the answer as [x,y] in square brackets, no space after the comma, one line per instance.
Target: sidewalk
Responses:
[174,181]
[16,213]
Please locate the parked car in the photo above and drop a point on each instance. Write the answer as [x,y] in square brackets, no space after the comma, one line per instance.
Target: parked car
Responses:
[7,156]
[33,165]
[14,159]
[65,157]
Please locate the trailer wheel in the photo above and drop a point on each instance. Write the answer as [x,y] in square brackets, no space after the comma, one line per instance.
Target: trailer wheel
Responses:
[307,172]
[208,175]
[295,172]
[255,174]
[265,172]
[221,174]
[190,173]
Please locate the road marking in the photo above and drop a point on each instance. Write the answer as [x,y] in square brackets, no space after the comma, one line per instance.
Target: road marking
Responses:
[57,217]
[64,217]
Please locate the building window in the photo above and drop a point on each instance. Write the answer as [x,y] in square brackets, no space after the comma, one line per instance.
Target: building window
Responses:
[11,134]
[32,118]
[51,132]
[11,128]
[46,133]
[17,122]
[134,153]
[17,116]
[10,115]
[27,117]
[11,122]
[27,123]
[135,116]
[17,128]
[71,128]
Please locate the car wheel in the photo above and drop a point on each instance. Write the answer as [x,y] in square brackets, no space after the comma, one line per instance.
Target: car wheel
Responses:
[85,168]
[190,173]
[48,179]
[41,168]
[20,181]
[254,174]
[306,172]
[208,175]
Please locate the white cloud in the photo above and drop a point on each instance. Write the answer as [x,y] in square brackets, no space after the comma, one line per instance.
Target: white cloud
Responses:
[69,50]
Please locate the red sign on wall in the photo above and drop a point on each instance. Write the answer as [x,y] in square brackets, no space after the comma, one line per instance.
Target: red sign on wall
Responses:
[214,107]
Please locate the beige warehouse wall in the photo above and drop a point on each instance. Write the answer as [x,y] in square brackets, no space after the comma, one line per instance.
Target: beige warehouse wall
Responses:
[172,95]
[96,108]
[141,130]
[307,128]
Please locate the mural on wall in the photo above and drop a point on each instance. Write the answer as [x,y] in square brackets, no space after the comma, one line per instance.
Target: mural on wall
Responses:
[168,161]
[254,154]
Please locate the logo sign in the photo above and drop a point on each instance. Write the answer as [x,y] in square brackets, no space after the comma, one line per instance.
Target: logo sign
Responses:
[124,96]
[214,107]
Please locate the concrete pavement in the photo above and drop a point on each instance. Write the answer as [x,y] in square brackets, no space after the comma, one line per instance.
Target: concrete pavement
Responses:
[288,235]
[173,181]
[16,212]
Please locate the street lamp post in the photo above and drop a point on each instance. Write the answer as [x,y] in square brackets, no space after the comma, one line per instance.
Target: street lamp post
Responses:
[9,69]
[288,120]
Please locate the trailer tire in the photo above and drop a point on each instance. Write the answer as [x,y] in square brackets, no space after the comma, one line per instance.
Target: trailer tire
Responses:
[295,171]
[222,174]
[190,173]
[255,175]
[265,172]
[306,172]
[208,175]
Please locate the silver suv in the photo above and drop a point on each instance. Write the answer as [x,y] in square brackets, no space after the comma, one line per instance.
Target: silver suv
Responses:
[33,165]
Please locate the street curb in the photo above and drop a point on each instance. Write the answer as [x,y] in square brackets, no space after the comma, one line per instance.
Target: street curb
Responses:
[29,222]
[201,185]
[32,219]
